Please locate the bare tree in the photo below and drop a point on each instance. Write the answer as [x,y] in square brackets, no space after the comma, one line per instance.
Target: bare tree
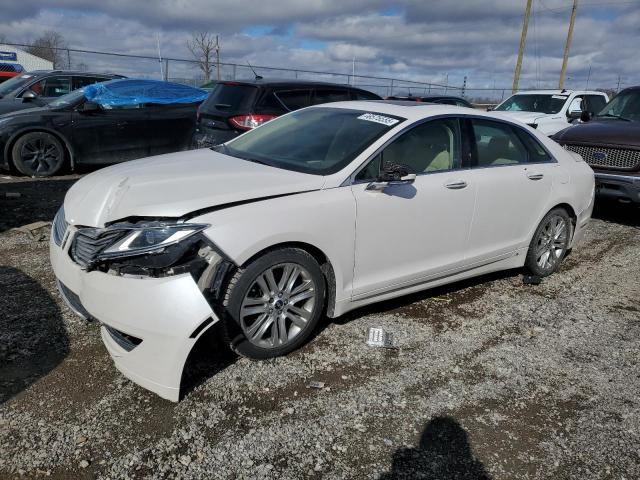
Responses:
[203,46]
[50,46]
[3,39]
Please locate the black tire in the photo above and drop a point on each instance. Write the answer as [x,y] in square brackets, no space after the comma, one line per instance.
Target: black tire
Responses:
[38,154]
[243,285]
[555,247]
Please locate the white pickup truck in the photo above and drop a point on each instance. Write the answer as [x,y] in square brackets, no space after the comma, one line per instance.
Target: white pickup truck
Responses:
[551,110]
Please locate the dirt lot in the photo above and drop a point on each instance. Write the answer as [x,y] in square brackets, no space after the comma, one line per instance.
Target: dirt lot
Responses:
[492,379]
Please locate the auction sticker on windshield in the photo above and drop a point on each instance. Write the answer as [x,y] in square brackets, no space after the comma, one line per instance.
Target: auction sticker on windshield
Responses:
[372,117]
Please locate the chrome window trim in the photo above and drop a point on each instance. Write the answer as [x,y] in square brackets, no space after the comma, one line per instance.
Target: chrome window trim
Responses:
[350,180]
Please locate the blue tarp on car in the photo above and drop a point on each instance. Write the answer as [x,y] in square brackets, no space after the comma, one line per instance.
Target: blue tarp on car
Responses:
[134,92]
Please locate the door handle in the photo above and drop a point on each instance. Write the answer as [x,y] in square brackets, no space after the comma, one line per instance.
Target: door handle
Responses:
[123,123]
[534,176]
[456,185]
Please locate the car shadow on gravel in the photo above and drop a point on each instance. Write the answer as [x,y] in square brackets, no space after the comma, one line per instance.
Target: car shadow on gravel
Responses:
[457,293]
[616,212]
[209,356]
[33,339]
[27,201]
[444,453]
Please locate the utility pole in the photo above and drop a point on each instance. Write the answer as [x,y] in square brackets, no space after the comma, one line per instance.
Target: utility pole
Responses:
[618,87]
[567,45]
[218,57]
[523,40]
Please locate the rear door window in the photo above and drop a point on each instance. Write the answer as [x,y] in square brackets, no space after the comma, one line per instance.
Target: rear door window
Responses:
[230,97]
[52,87]
[497,144]
[79,82]
[322,95]
[295,99]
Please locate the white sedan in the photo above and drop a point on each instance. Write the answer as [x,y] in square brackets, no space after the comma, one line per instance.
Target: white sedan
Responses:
[316,213]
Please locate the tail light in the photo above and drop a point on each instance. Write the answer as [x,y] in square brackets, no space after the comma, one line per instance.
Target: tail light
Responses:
[247,122]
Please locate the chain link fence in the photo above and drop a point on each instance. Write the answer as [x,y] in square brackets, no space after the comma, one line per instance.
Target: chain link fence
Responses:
[187,71]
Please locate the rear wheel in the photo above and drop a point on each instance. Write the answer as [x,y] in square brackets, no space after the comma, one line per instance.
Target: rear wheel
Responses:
[274,304]
[550,243]
[38,154]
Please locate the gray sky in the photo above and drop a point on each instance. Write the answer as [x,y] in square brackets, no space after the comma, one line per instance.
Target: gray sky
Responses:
[420,40]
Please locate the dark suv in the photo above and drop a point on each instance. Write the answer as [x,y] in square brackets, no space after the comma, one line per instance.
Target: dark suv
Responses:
[37,88]
[234,107]
[609,141]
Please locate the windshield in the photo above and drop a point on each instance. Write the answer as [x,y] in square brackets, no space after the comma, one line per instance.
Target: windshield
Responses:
[14,83]
[545,103]
[626,105]
[68,99]
[319,141]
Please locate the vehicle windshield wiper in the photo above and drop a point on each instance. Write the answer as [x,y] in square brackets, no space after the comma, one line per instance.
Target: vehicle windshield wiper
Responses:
[619,117]
[222,148]
[222,105]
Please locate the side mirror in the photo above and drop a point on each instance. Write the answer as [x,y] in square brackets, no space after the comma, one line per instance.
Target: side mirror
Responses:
[29,96]
[585,116]
[88,107]
[392,174]
[574,115]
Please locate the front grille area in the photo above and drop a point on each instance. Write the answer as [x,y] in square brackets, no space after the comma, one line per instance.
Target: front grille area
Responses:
[605,157]
[89,242]
[59,227]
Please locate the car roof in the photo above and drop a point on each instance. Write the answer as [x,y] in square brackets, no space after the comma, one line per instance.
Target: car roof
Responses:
[279,82]
[73,72]
[557,92]
[408,110]
[430,96]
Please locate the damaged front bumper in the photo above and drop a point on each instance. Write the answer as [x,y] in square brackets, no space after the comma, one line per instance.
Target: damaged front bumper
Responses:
[149,325]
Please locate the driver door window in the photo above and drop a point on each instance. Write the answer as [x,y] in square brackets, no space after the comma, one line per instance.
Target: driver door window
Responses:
[52,87]
[428,148]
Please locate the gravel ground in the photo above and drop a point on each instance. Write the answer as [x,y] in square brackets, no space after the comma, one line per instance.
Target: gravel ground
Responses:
[491,379]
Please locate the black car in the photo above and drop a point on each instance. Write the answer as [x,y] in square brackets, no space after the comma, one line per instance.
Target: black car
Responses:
[234,107]
[444,99]
[72,130]
[37,88]
[609,142]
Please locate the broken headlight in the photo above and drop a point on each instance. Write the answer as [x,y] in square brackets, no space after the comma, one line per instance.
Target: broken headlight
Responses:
[149,238]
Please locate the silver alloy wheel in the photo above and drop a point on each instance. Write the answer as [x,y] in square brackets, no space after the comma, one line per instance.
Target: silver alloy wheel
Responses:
[552,242]
[278,305]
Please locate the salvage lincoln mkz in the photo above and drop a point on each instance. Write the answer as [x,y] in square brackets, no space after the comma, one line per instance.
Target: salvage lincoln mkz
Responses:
[316,213]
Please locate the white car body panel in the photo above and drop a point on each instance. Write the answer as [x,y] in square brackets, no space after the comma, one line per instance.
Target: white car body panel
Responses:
[378,244]
[385,256]
[548,124]
[175,184]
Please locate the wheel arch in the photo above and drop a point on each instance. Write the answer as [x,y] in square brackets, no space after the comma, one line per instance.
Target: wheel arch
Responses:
[320,256]
[63,139]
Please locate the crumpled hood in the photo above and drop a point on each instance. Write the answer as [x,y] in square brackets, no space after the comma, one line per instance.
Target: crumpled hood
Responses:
[176,184]
[524,117]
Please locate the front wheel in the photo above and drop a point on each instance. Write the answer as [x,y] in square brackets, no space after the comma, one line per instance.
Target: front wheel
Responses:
[550,243]
[38,154]
[274,304]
